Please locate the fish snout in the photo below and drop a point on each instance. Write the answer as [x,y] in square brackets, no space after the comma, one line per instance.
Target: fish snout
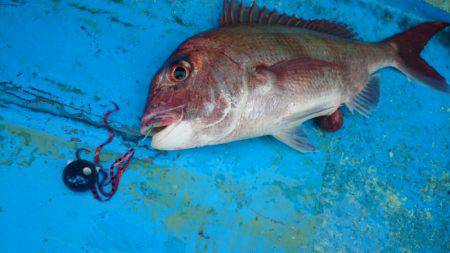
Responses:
[160,117]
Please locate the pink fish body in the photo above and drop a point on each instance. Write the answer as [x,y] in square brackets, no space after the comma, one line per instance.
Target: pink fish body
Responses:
[261,73]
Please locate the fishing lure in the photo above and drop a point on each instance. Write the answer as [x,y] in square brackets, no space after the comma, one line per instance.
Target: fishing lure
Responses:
[82,175]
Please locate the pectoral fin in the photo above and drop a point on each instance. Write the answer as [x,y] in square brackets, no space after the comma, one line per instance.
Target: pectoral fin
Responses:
[300,70]
[295,138]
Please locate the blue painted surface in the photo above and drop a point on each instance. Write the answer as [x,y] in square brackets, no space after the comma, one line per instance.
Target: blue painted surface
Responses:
[379,184]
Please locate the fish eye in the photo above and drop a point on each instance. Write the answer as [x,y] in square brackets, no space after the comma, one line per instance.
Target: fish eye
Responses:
[179,71]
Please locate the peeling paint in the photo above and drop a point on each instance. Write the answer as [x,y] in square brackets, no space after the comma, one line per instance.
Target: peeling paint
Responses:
[64,87]
[43,144]
[165,192]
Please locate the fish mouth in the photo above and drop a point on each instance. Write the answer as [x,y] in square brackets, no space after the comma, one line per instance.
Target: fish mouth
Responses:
[155,123]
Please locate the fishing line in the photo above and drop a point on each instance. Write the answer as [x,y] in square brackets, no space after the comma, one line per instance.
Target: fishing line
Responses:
[81,175]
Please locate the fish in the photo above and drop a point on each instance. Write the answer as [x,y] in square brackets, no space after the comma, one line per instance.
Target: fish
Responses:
[262,73]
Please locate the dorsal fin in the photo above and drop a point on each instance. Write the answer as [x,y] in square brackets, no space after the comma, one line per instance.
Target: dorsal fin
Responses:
[234,14]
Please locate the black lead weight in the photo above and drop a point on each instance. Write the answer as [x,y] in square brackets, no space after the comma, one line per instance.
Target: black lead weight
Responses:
[80,175]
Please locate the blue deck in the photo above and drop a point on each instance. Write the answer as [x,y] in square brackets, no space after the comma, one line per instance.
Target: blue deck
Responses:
[379,184]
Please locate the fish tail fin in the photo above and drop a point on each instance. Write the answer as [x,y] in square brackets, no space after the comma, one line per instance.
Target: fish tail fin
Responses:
[408,46]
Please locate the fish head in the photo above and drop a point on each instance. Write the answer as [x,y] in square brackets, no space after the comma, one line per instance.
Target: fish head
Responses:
[189,96]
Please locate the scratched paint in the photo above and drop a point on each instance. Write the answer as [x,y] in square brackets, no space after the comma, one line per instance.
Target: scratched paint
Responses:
[380,184]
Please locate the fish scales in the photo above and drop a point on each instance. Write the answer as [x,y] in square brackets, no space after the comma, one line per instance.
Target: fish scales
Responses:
[258,74]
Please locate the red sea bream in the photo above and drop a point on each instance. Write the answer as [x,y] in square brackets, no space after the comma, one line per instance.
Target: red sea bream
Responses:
[263,73]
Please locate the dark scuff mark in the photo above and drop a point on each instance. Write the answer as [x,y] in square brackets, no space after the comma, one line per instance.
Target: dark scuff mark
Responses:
[72,131]
[124,23]
[87,9]
[201,233]
[75,139]
[90,24]
[86,31]
[13,94]
[120,49]
[148,13]
[268,218]
[13,3]
[179,20]
[404,23]
[92,36]
[40,91]
[64,87]
[387,16]
[97,52]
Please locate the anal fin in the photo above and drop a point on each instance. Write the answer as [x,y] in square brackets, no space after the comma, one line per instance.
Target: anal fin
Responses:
[295,138]
[366,100]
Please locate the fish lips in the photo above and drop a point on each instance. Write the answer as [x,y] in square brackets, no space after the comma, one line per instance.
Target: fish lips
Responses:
[159,119]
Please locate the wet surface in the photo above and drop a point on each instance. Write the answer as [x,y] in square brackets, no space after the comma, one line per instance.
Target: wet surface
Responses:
[380,183]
